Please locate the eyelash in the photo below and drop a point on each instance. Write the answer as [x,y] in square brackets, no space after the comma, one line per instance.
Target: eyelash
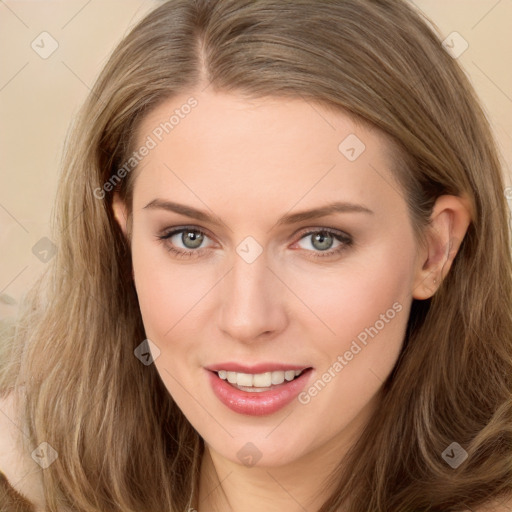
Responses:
[345,239]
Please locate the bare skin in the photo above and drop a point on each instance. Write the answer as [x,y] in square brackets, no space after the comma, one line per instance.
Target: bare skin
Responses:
[249,163]
[20,469]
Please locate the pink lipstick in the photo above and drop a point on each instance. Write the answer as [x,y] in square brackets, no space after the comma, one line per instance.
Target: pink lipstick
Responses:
[257,390]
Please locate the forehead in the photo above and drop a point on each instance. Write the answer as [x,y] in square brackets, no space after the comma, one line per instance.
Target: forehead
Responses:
[226,147]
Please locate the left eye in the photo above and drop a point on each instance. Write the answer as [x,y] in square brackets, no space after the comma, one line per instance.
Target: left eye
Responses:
[323,241]
[189,238]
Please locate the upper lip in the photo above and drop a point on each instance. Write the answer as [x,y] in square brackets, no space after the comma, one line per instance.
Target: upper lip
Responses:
[255,368]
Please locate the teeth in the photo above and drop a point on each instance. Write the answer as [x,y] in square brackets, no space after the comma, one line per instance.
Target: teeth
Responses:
[277,377]
[261,380]
[258,380]
[289,375]
[244,379]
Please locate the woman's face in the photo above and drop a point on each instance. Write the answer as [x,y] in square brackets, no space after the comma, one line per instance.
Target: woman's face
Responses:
[270,236]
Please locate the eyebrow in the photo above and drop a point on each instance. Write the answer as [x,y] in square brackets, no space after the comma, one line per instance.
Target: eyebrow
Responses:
[292,218]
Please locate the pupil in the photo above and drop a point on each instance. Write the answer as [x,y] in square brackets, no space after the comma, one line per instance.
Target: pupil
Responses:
[325,240]
[192,239]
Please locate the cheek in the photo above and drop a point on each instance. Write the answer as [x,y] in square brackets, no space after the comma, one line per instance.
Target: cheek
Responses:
[356,292]
[167,293]
[363,308]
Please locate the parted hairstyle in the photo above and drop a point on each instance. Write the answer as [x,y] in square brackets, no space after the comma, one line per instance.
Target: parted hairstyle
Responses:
[123,444]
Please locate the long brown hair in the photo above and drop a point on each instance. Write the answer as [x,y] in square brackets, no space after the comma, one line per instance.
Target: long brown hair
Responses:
[123,443]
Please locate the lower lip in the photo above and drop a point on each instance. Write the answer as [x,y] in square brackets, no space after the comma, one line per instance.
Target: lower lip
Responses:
[258,403]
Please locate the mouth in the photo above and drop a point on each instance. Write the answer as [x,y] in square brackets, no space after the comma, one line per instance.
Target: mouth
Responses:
[258,382]
[258,394]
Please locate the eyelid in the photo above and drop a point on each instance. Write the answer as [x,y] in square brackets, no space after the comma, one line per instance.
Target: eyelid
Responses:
[169,232]
[317,229]
[345,240]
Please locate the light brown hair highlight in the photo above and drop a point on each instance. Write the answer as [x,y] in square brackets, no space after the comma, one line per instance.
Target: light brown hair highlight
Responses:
[123,443]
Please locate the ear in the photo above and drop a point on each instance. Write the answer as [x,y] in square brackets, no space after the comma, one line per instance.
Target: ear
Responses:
[449,221]
[120,213]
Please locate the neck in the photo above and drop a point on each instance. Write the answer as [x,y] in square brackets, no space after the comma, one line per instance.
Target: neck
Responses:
[228,486]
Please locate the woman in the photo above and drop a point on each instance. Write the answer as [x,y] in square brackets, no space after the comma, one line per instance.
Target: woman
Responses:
[283,279]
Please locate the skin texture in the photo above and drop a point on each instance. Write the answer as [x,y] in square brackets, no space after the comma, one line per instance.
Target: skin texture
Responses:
[249,163]
[20,477]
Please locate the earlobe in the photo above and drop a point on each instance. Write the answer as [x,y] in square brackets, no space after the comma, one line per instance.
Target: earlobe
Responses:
[450,219]
[120,213]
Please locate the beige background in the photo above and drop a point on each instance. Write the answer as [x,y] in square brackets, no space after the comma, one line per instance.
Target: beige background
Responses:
[38,98]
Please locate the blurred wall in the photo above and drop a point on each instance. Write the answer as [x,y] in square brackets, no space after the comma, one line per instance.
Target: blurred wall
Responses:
[52,50]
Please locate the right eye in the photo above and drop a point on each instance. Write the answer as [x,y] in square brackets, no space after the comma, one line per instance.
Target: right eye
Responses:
[184,242]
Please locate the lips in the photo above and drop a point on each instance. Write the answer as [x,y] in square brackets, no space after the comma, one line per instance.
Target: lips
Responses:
[257,403]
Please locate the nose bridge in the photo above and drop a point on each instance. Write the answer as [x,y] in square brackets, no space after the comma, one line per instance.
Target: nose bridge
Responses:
[251,302]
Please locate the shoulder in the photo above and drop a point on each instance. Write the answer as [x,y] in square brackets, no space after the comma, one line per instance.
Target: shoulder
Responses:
[498,505]
[11,500]
[22,478]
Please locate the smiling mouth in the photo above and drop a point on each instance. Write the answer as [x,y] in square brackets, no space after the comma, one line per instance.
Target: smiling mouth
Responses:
[258,394]
[259,382]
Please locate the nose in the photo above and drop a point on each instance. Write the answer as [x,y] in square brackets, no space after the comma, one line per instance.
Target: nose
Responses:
[253,302]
